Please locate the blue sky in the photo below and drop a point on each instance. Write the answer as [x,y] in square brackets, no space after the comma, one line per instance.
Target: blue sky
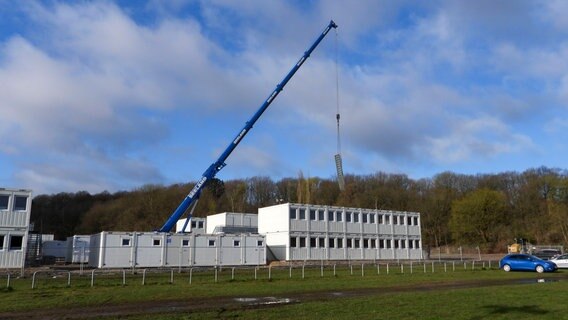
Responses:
[103,95]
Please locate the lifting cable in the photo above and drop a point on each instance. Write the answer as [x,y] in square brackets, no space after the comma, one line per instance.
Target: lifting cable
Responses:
[338,161]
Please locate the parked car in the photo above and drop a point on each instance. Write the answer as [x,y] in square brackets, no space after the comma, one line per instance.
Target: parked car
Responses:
[526,262]
[547,254]
[561,261]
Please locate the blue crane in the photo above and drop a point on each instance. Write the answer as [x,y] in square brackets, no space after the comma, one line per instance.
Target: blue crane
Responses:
[193,196]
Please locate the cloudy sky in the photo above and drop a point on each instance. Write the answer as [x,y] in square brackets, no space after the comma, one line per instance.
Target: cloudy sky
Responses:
[113,95]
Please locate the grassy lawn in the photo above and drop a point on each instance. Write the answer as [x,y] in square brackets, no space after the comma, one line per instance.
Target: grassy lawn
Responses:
[531,300]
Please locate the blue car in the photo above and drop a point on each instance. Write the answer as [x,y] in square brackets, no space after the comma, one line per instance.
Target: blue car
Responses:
[525,262]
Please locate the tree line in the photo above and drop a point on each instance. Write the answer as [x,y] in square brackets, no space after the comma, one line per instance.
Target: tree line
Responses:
[487,210]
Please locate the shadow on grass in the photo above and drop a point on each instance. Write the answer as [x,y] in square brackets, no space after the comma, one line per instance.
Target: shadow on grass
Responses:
[512,310]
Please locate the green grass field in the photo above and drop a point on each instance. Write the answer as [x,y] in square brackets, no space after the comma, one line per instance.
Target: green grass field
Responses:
[525,299]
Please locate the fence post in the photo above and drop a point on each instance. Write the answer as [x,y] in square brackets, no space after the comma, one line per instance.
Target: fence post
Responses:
[351,269]
[410,267]
[172,276]
[33,279]
[445,267]
[216,274]
[190,274]
[432,266]
[378,268]
[269,272]
[453,266]
[387,268]
[93,278]
[233,273]
[255,270]
[303,270]
[424,266]
[8,281]
[144,277]
[401,268]
[123,277]
[334,270]
[290,272]
[69,278]
[362,269]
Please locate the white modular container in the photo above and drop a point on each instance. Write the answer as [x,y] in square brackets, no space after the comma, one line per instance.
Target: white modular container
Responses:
[15,211]
[232,222]
[78,249]
[152,249]
[314,232]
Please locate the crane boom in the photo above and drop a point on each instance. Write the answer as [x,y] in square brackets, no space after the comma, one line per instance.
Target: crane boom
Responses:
[215,167]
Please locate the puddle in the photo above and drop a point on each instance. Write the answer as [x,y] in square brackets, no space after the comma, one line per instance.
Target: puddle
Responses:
[265,301]
[544,280]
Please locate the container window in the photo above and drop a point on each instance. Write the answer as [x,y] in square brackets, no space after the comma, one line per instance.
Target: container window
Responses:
[381,243]
[357,243]
[193,224]
[211,242]
[380,220]
[340,242]
[20,203]
[330,216]
[365,219]
[373,243]
[312,215]
[293,213]
[293,242]
[125,242]
[185,242]
[260,243]
[321,215]
[200,224]
[339,216]
[331,242]
[348,216]
[16,242]
[372,218]
[302,242]
[313,242]
[302,214]
[415,221]
[388,243]
[349,243]
[321,243]
[156,242]
[236,243]
[355,217]
[1,242]
[4,201]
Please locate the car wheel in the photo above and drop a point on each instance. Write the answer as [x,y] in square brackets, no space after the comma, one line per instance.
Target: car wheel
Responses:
[507,268]
[539,269]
